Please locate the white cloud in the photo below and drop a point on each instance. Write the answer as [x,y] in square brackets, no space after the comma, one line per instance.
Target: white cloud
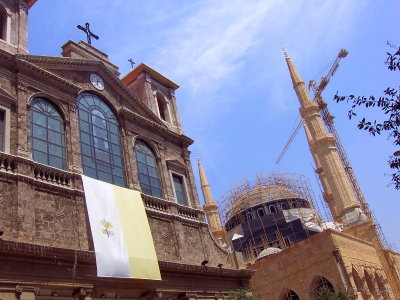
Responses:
[208,46]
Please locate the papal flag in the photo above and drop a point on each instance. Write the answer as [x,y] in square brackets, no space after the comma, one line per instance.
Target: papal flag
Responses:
[121,234]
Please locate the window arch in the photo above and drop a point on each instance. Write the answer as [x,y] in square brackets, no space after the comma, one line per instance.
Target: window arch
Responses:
[148,171]
[260,212]
[47,134]
[272,209]
[249,216]
[323,287]
[162,105]
[290,295]
[101,150]
[370,284]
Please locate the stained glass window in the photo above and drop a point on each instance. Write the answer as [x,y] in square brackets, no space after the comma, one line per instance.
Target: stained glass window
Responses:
[148,171]
[100,140]
[47,134]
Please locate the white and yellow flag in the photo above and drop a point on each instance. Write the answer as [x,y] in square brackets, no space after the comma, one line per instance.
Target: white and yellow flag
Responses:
[121,233]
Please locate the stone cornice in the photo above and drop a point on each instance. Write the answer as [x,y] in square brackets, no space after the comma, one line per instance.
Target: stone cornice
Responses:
[18,251]
[204,270]
[87,65]
[24,63]
[31,61]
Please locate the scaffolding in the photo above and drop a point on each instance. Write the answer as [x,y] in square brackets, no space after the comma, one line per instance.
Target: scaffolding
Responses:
[287,214]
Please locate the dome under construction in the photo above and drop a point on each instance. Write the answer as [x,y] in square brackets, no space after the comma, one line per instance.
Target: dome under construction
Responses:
[274,212]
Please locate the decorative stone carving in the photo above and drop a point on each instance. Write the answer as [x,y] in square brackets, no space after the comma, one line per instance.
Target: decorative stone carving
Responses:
[22,86]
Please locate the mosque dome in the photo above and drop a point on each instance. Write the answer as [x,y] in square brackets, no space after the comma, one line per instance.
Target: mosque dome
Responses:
[262,195]
[268,251]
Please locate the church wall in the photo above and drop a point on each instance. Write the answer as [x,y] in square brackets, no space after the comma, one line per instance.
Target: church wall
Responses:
[48,204]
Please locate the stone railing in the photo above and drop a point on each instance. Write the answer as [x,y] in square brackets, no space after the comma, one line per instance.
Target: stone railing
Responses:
[154,203]
[8,163]
[171,208]
[189,213]
[51,175]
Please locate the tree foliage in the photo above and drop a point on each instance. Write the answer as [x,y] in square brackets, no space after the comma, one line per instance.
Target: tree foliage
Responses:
[242,294]
[389,104]
[326,293]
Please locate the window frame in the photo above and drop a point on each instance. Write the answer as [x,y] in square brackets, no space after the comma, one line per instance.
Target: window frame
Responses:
[166,112]
[184,186]
[6,109]
[114,170]
[48,143]
[6,30]
[156,166]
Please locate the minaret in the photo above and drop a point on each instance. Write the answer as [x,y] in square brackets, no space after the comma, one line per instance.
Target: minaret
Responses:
[338,192]
[210,207]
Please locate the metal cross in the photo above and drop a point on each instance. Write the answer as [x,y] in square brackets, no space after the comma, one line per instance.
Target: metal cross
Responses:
[132,62]
[89,34]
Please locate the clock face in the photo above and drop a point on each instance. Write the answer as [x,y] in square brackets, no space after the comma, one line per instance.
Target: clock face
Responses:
[97,81]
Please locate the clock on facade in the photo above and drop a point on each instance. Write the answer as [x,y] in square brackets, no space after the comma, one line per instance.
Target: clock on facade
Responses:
[97,81]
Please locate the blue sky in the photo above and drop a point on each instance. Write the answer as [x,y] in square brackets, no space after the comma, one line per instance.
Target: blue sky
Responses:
[236,99]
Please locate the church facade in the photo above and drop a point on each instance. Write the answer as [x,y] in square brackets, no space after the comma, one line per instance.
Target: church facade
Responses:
[61,117]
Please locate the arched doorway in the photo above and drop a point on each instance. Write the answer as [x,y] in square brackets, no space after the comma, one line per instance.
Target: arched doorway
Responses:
[322,286]
[370,284]
[359,283]
[381,286]
[290,295]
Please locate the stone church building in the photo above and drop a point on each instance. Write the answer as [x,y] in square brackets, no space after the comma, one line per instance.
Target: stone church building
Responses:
[61,117]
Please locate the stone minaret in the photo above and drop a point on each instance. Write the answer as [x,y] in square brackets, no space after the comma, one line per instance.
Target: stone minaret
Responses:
[338,192]
[210,207]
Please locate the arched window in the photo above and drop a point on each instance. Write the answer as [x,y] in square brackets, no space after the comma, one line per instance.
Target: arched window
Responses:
[47,134]
[100,140]
[272,209]
[260,212]
[162,105]
[148,171]
[249,216]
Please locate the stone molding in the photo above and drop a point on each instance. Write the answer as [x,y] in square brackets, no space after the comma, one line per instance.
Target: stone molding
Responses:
[57,181]
[59,79]
[89,65]
[18,251]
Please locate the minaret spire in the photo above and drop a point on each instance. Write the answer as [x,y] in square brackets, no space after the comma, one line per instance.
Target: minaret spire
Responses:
[210,207]
[338,192]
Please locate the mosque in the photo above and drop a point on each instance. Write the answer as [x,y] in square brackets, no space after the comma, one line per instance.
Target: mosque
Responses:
[273,223]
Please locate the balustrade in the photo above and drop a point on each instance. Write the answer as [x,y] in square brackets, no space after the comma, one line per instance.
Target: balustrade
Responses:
[8,162]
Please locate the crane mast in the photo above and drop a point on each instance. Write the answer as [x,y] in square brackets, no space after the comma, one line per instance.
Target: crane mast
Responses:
[328,121]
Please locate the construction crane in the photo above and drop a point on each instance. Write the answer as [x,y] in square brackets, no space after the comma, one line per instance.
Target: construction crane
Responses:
[328,121]
[317,97]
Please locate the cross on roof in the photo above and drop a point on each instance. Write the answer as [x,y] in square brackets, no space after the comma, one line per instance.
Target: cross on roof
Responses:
[89,34]
[132,62]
